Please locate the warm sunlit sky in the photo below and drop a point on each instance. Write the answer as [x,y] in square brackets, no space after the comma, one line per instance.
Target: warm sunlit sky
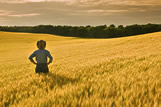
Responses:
[79,12]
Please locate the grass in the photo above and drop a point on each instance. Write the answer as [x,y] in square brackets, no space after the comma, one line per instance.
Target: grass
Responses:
[85,72]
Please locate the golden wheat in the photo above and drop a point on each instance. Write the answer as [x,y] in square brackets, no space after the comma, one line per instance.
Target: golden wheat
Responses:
[85,72]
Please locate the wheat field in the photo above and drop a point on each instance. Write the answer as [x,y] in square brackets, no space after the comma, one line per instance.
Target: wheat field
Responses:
[118,72]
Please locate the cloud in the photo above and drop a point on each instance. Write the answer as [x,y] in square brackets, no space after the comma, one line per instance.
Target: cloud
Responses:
[105,11]
[25,1]
[78,12]
[96,2]
[24,15]
[53,8]
[12,14]
[4,12]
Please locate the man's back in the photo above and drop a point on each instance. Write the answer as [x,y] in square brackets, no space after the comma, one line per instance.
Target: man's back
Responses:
[41,56]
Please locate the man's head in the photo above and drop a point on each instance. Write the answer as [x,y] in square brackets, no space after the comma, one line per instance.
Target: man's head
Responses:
[41,44]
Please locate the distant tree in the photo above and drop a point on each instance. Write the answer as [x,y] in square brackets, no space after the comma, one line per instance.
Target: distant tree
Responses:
[120,30]
[111,32]
[88,26]
[101,31]
[112,26]
[120,27]
[133,30]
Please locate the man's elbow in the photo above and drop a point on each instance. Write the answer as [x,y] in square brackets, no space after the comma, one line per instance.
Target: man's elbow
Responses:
[30,58]
[51,60]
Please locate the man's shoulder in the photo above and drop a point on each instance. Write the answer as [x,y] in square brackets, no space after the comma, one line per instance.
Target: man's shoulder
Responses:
[46,50]
[36,50]
[41,51]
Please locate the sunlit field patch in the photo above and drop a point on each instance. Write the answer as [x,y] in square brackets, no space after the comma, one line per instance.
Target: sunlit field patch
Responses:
[85,72]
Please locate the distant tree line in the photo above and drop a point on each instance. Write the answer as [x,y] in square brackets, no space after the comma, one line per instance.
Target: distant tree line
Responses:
[102,31]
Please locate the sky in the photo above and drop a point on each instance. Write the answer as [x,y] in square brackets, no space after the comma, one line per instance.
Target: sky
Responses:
[79,12]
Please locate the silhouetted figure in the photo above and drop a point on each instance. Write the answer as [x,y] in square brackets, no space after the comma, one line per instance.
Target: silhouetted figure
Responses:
[41,58]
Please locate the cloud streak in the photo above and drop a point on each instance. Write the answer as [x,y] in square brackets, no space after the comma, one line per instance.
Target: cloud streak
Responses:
[114,2]
[24,15]
[26,1]
[12,14]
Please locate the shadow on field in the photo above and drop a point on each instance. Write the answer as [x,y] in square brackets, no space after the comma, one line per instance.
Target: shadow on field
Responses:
[53,80]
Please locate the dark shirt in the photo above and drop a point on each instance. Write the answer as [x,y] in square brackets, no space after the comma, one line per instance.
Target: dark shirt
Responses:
[41,56]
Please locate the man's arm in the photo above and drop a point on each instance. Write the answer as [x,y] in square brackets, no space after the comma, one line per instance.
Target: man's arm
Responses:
[31,57]
[50,57]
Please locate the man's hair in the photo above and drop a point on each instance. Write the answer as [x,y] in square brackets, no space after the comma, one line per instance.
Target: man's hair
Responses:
[41,44]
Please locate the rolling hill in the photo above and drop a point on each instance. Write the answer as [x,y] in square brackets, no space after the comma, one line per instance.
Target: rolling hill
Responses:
[85,72]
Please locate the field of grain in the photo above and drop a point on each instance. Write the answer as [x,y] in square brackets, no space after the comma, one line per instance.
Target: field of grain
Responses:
[85,72]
